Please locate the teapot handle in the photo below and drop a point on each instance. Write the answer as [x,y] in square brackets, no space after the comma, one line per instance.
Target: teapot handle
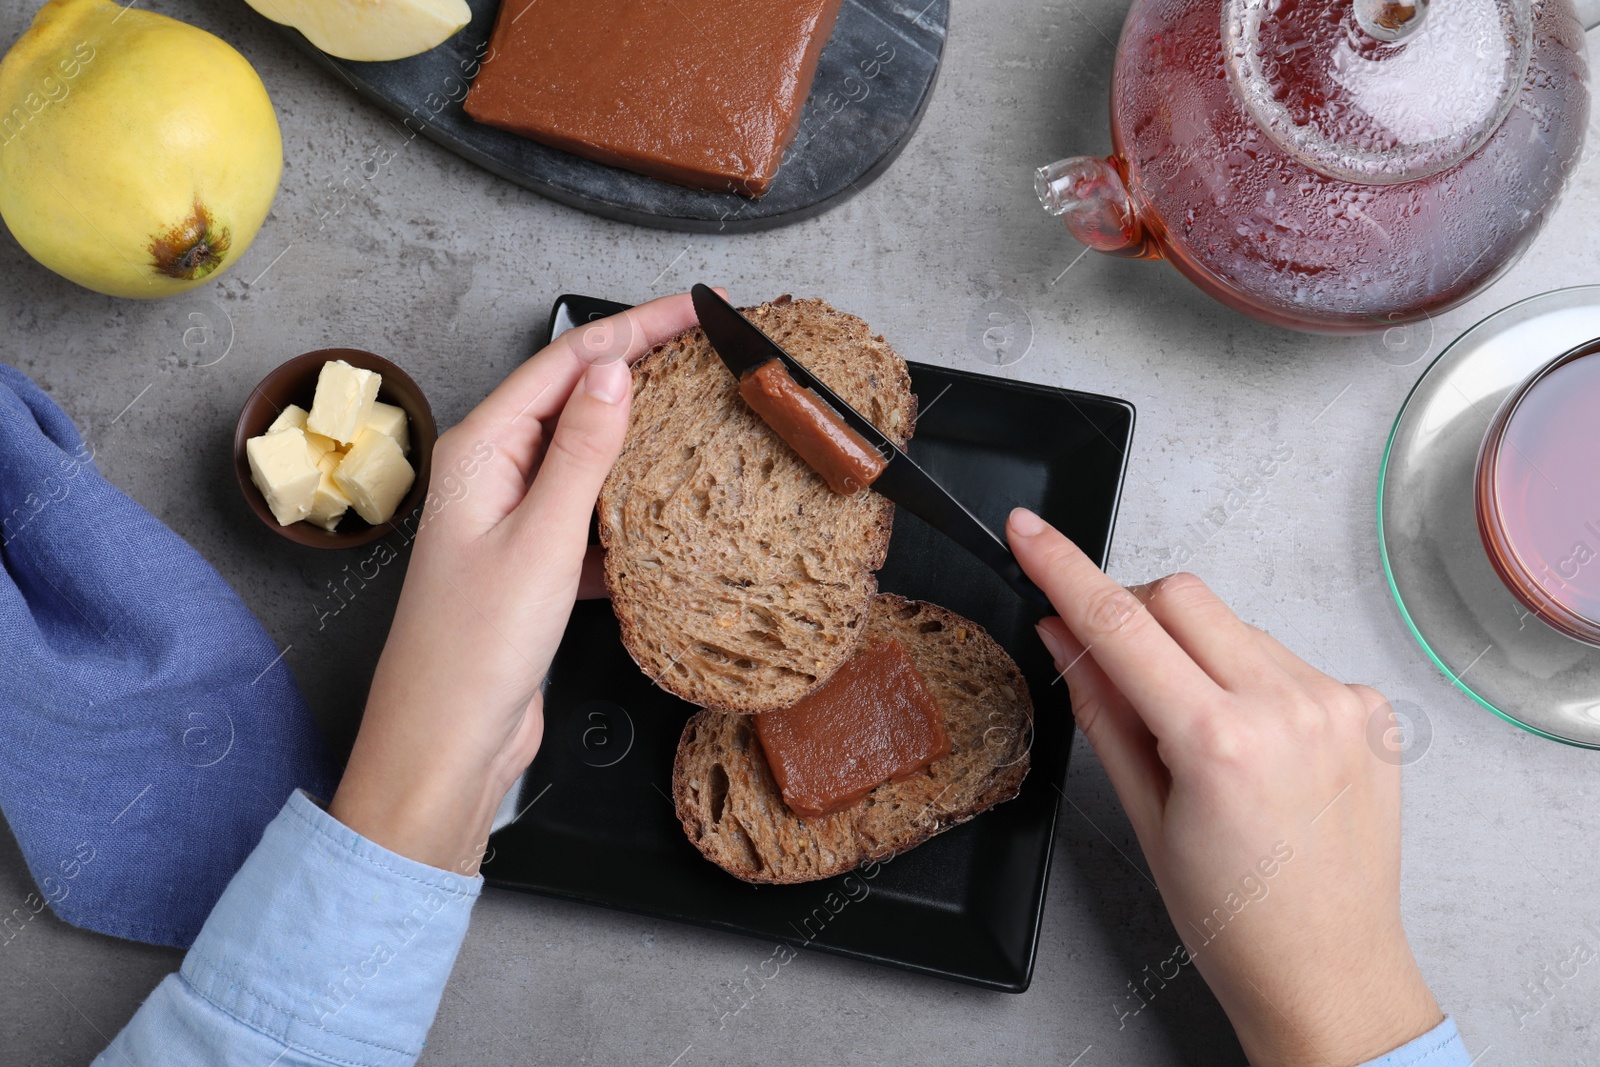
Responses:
[1093,201]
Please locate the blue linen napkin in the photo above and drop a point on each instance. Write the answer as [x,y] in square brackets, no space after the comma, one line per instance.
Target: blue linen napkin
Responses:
[149,729]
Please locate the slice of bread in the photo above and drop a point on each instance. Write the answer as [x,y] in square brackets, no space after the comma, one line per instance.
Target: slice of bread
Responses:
[740,580]
[733,812]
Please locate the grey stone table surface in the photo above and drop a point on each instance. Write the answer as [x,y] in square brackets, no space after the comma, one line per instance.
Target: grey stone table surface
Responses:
[435,263]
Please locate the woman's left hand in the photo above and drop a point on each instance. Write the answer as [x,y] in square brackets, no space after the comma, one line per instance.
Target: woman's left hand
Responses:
[454,715]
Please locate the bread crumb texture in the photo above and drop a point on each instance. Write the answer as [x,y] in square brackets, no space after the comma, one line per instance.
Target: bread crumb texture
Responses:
[733,812]
[740,580]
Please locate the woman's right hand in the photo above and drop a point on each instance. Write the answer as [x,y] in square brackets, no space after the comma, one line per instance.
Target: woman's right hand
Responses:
[1270,823]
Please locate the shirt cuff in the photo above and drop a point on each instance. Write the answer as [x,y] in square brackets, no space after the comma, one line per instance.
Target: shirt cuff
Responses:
[1439,1047]
[332,944]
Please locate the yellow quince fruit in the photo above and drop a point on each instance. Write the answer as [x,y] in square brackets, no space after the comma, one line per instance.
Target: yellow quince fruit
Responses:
[139,155]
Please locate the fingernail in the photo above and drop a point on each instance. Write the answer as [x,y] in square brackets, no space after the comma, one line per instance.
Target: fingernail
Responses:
[608,381]
[1052,644]
[1026,522]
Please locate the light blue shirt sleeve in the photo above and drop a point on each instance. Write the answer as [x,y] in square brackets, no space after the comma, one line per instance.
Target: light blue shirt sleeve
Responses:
[1439,1047]
[325,949]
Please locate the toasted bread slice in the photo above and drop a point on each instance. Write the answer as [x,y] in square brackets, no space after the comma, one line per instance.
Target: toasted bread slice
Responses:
[733,812]
[740,580]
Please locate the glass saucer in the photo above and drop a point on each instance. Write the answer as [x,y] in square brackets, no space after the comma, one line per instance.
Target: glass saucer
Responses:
[1483,638]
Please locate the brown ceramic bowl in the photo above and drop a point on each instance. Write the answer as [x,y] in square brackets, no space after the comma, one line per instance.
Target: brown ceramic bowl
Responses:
[295,382]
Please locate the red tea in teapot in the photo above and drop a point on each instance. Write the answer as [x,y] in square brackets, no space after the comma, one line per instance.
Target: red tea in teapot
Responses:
[1305,172]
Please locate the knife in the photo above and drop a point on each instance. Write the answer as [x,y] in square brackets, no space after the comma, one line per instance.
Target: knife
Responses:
[743,347]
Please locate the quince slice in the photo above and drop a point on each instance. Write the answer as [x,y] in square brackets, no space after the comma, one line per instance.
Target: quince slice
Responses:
[370,30]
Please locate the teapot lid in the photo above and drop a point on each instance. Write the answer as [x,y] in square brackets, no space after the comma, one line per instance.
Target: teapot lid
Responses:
[1377,91]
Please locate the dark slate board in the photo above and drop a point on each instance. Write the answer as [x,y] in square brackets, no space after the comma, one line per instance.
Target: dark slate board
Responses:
[873,83]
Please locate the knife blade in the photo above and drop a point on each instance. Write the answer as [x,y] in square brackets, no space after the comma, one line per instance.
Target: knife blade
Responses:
[743,347]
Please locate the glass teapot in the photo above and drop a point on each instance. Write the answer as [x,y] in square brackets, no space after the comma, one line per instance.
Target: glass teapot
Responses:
[1334,165]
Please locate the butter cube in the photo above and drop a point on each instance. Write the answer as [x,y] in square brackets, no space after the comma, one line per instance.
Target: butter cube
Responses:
[391,420]
[375,476]
[343,401]
[320,445]
[285,470]
[329,503]
[292,417]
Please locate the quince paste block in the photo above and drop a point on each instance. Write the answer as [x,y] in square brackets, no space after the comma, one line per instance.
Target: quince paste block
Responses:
[704,93]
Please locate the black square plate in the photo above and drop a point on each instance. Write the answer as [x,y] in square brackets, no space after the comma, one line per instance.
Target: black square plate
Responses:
[599,825]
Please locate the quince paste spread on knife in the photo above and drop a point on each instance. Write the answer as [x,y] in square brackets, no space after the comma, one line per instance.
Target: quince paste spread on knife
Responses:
[839,725]
[704,93]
